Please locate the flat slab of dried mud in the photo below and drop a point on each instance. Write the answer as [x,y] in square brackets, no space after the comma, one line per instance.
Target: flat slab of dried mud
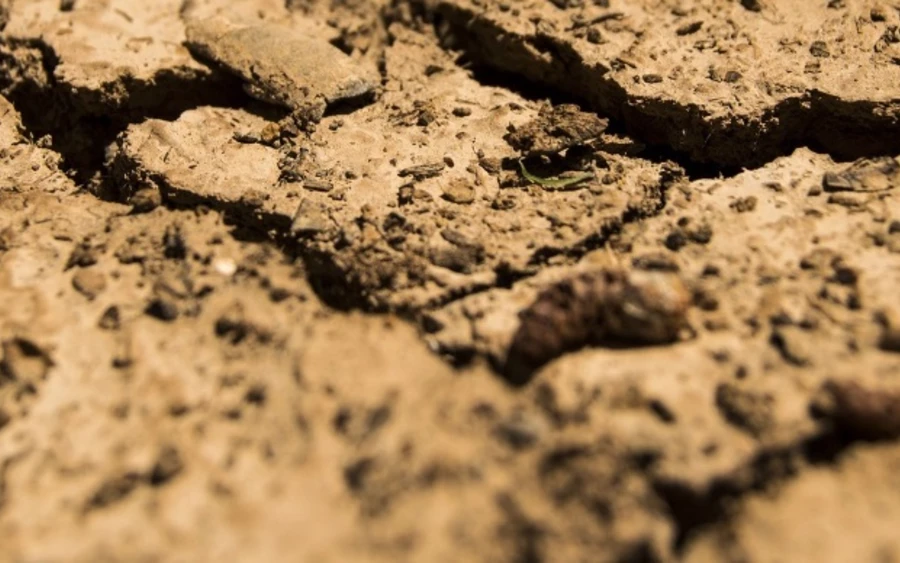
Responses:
[449,316]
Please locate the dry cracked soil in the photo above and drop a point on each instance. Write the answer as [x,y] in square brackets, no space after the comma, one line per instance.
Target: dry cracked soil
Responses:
[450,280]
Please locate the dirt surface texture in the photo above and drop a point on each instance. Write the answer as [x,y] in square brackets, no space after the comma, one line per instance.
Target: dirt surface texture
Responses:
[449,280]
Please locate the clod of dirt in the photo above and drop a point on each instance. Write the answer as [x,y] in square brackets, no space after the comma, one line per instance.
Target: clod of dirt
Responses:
[460,192]
[555,129]
[281,66]
[863,412]
[712,79]
[145,199]
[196,159]
[594,307]
[89,282]
[746,409]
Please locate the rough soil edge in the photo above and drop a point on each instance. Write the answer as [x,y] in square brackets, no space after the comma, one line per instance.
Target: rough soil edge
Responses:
[82,122]
[844,129]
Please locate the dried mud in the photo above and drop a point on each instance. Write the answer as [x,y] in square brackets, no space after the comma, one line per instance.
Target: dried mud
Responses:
[533,281]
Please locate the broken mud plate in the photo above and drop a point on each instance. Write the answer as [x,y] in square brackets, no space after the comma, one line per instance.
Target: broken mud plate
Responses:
[282,67]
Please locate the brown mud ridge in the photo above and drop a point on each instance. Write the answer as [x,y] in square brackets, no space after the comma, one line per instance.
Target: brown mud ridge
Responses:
[449,280]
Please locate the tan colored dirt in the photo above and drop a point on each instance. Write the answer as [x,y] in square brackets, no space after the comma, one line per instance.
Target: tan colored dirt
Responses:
[574,281]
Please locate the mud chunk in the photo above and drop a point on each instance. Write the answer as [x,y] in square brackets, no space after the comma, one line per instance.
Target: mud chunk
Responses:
[752,5]
[689,28]
[819,49]
[89,282]
[423,171]
[866,175]
[635,307]
[656,261]
[109,56]
[281,66]
[491,165]
[459,191]
[749,410]
[555,129]
[850,200]
[867,413]
[145,199]
[317,185]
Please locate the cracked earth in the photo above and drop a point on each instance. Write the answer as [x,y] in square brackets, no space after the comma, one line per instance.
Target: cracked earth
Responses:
[449,280]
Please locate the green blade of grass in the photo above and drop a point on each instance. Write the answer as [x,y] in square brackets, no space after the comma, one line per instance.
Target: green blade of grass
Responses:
[555,182]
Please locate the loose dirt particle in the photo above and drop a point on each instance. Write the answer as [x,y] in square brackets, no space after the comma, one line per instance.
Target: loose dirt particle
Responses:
[555,129]
[459,191]
[163,309]
[748,410]
[145,199]
[89,282]
[423,171]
